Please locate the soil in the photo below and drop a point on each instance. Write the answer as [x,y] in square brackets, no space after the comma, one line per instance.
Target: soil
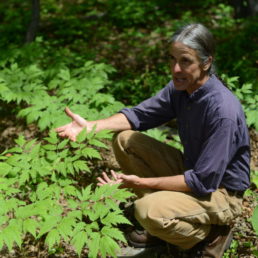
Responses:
[11,128]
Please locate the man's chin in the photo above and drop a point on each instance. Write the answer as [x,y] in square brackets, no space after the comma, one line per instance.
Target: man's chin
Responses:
[179,86]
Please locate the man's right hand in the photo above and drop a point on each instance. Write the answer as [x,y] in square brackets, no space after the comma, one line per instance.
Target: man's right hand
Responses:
[72,129]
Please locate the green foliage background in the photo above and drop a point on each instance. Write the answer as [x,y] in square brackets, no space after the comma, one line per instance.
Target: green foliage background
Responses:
[96,56]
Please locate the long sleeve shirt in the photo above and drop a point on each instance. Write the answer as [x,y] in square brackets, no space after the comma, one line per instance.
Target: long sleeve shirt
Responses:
[212,129]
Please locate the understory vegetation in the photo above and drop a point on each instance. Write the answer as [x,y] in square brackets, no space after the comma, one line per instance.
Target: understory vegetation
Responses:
[96,57]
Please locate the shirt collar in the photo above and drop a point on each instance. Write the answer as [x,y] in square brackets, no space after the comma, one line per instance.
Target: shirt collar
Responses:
[204,89]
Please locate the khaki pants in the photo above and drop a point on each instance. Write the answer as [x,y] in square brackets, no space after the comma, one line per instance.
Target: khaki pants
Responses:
[179,218]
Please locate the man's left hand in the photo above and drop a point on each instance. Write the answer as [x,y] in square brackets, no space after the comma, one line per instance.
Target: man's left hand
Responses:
[126,181]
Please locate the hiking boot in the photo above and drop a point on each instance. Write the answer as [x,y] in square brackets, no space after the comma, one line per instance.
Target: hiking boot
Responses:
[217,242]
[142,239]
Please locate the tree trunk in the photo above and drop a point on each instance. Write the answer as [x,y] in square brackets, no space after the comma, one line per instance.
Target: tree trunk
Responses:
[34,24]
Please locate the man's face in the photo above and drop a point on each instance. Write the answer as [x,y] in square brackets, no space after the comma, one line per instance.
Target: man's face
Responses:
[187,71]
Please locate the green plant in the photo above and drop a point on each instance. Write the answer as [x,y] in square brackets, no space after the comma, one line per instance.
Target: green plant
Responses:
[41,195]
[248,99]
[254,219]
[44,98]
[162,135]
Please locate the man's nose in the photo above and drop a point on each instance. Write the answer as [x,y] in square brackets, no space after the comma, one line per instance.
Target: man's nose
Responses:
[176,68]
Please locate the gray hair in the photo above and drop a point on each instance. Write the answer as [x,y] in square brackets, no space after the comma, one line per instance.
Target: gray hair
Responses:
[199,38]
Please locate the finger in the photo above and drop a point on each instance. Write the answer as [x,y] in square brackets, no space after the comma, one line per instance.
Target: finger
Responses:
[70,113]
[114,175]
[60,129]
[101,181]
[72,138]
[107,179]
[62,134]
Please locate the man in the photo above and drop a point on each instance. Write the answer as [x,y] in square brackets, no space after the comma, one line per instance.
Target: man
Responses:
[188,198]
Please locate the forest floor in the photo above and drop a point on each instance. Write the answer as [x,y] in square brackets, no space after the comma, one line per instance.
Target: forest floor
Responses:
[244,240]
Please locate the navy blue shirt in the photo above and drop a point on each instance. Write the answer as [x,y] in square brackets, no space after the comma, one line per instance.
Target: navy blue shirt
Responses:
[212,129]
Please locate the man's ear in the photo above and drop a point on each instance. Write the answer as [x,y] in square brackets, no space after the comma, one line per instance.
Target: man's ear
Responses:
[207,63]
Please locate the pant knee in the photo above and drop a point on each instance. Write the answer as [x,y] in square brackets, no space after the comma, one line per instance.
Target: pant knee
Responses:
[121,139]
[145,215]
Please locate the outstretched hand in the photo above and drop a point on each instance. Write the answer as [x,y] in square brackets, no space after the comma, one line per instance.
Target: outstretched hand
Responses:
[72,129]
[126,181]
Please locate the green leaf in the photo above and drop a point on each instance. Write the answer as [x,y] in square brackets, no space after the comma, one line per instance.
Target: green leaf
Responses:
[94,244]
[81,137]
[254,219]
[30,225]
[65,227]
[4,169]
[20,141]
[12,234]
[52,138]
[52,238]
[98,143]
[108,245]
[80,165]
[86,193]
[78,241]
[48,225]
[91,153]
[113,218]
[70,190]
[74,145]
[49,147]
[113,233]
[1,240]
[16,149]
[3,220]
[100,210]
[104,134]
[62,144]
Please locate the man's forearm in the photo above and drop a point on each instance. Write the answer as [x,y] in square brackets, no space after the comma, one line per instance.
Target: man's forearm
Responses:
[115,123]
[170,183]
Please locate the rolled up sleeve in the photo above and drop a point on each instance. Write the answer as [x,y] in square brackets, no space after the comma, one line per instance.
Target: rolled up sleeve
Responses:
[151,112]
